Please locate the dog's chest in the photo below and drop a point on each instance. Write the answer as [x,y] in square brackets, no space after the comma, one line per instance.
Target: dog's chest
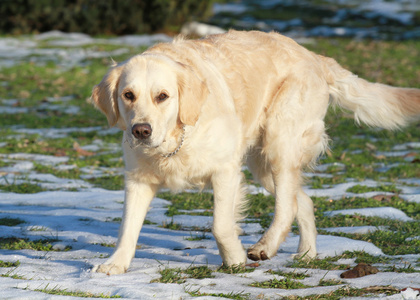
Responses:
[178,174]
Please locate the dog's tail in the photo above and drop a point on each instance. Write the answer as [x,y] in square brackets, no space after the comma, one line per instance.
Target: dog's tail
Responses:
[372,103]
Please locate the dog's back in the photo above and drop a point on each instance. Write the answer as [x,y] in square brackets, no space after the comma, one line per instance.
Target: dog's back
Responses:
[256,65]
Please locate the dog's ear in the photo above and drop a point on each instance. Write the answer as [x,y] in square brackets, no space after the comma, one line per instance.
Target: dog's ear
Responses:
[105,95]
[192,93]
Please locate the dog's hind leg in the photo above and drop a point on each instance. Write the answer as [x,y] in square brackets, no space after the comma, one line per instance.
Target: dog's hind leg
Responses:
[293,138]
[260,169]
[286,182]
[307,228]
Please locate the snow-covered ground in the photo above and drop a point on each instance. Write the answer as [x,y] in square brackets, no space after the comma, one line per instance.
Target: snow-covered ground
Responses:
[83,220]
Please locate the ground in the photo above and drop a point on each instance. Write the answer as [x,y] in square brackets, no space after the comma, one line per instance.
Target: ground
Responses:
[61,190]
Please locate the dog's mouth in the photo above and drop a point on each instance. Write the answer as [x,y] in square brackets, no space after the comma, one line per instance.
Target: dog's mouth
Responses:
[155,144]
[136,143]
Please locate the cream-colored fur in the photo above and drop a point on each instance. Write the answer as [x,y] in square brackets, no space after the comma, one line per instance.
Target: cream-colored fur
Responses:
[241,96]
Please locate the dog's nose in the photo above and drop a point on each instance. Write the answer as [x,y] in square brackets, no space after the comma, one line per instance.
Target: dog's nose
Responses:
[141,131]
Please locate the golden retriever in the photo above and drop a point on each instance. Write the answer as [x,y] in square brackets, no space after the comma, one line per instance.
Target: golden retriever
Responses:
[193,111]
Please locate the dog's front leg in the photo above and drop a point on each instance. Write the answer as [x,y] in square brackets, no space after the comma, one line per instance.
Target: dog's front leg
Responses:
[228,196]
[137,200]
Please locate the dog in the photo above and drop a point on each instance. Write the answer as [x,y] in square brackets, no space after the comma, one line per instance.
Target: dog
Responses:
[193,111]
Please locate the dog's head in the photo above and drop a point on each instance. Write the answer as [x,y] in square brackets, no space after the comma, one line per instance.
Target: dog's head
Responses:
[148,96]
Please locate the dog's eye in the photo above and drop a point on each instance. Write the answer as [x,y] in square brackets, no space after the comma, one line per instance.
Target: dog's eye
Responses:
[162,97]
[129,96]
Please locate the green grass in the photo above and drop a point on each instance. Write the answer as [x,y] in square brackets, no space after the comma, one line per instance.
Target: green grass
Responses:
[200,237]
[404,171]
[408,268]
[330,262]
[21,188]
[363,257]
[316,263]
[116,220]
[322,205]
[378,61]
[13,275]
[329,282]
[318,182]
[359,189]
[7,264]
[344,292]
[148,222]
[363,166]
[275,283]
[235,269]
[171,225]
[199,272]
[231,295]
[115,183]
[110,160]
[11,221]
[187,201]
[34,143]
[259,205]
[64,292]
[13,243]
[171,275]
[44,169]
[399,239]
[289,275]
[179,276]
[349,221]
[112,245]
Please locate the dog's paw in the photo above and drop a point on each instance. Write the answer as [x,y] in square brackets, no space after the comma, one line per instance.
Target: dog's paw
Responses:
[232,259]
[260,252]
[256,256]
[109,269]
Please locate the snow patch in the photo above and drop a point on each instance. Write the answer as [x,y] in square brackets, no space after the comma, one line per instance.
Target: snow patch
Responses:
[383,212]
